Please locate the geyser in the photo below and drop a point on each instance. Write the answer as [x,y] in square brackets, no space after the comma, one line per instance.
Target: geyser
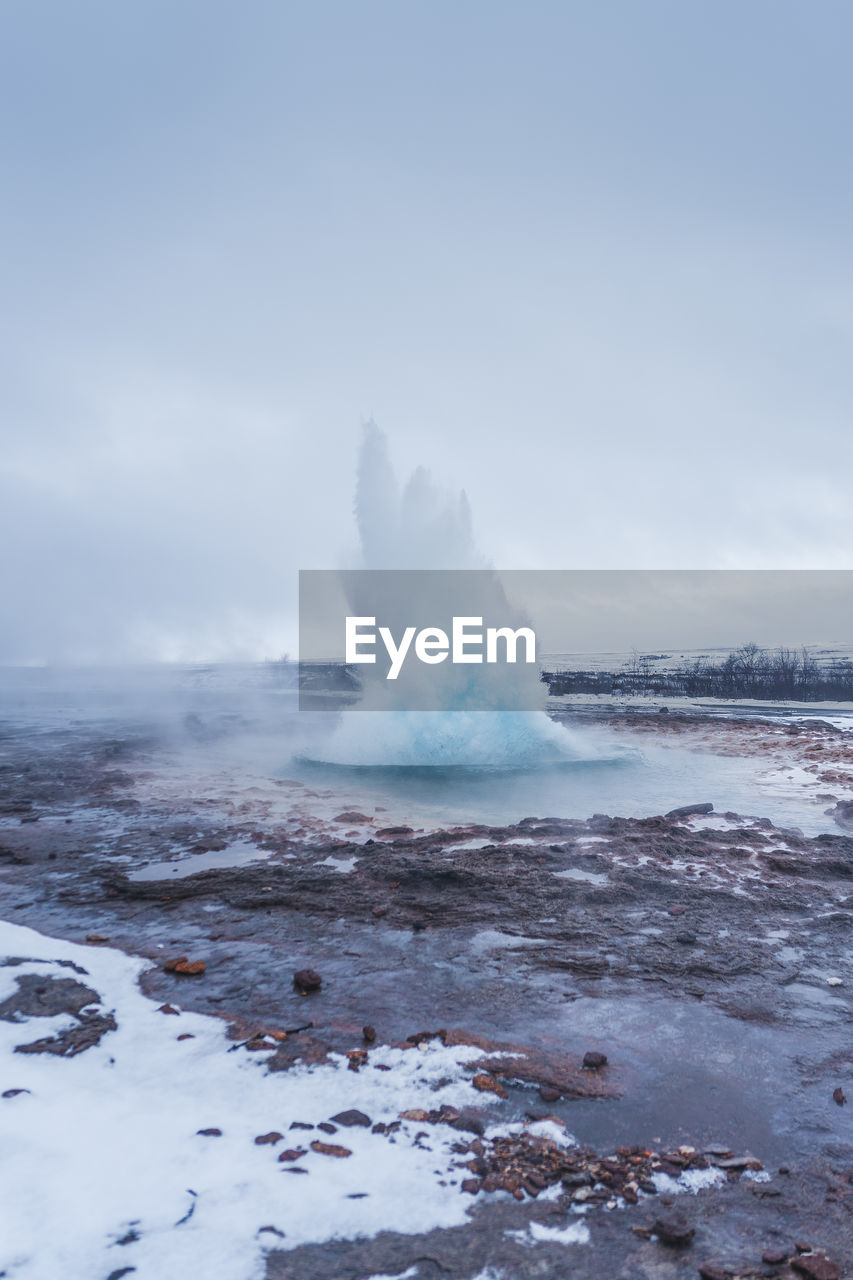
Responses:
[416,528]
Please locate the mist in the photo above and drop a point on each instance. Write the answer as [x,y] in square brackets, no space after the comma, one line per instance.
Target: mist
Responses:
[550,258]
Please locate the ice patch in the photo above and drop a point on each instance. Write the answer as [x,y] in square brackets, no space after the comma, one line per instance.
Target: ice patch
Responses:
[344,865]
[575,873]
[538,1232]
[692,1180]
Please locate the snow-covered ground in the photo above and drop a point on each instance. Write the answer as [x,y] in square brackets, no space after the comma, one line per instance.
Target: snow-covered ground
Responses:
[105,1163]
[104,1147]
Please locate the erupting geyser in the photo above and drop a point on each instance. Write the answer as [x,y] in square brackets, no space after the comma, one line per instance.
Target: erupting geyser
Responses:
[423,527]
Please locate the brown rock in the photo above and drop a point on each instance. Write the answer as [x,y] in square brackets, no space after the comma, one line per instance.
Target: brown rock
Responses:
[471,1185]
[593,1060]
[330,1149]
[816,1266]
[306,981]
[190,968]
[292,1153]
[838,1096]
[369,1033]
[488,1084]
[209,1133]
[268,1139]
[673,1229]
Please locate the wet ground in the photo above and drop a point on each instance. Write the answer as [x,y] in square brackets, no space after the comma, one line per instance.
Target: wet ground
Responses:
[708,956]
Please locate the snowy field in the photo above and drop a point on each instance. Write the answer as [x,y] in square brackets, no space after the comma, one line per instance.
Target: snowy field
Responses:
[140,1153]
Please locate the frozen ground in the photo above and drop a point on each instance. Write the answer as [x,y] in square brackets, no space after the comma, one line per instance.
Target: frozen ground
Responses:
[708,954]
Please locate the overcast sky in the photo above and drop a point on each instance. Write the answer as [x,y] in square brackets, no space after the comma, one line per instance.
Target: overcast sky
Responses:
[591,262]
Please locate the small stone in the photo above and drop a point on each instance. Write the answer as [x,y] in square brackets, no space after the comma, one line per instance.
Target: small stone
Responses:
[710,1271]
[839,1096]
[96,937]
[189,968]
[300,1124]
[690,810]
[773,1257]
[209,1133]
[168,1008]
[268,1139]
[471,1185]
[549,1094]
[326,1127]
[307,980]
[330,1149]
[13,1093]
[816,1266]
[186,1035]
[369,1033]
[686,938]
[673,1229]
[485,1083]
[291,1154]
[593,1060]
[351,1118]
[469,1122]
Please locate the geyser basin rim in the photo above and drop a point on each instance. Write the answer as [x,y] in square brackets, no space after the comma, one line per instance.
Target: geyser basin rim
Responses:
[432,644]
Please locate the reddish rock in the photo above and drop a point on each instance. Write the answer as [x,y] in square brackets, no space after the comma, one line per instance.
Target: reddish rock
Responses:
[330,1149]
[488,1084]
[189,968]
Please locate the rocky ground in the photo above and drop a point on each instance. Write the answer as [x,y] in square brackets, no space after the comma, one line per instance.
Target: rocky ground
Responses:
[704,955]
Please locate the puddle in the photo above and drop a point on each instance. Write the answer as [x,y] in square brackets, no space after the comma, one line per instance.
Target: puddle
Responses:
[575,873]
[236,854]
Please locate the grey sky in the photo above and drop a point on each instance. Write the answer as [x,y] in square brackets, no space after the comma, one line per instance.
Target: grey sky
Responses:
[589,261]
